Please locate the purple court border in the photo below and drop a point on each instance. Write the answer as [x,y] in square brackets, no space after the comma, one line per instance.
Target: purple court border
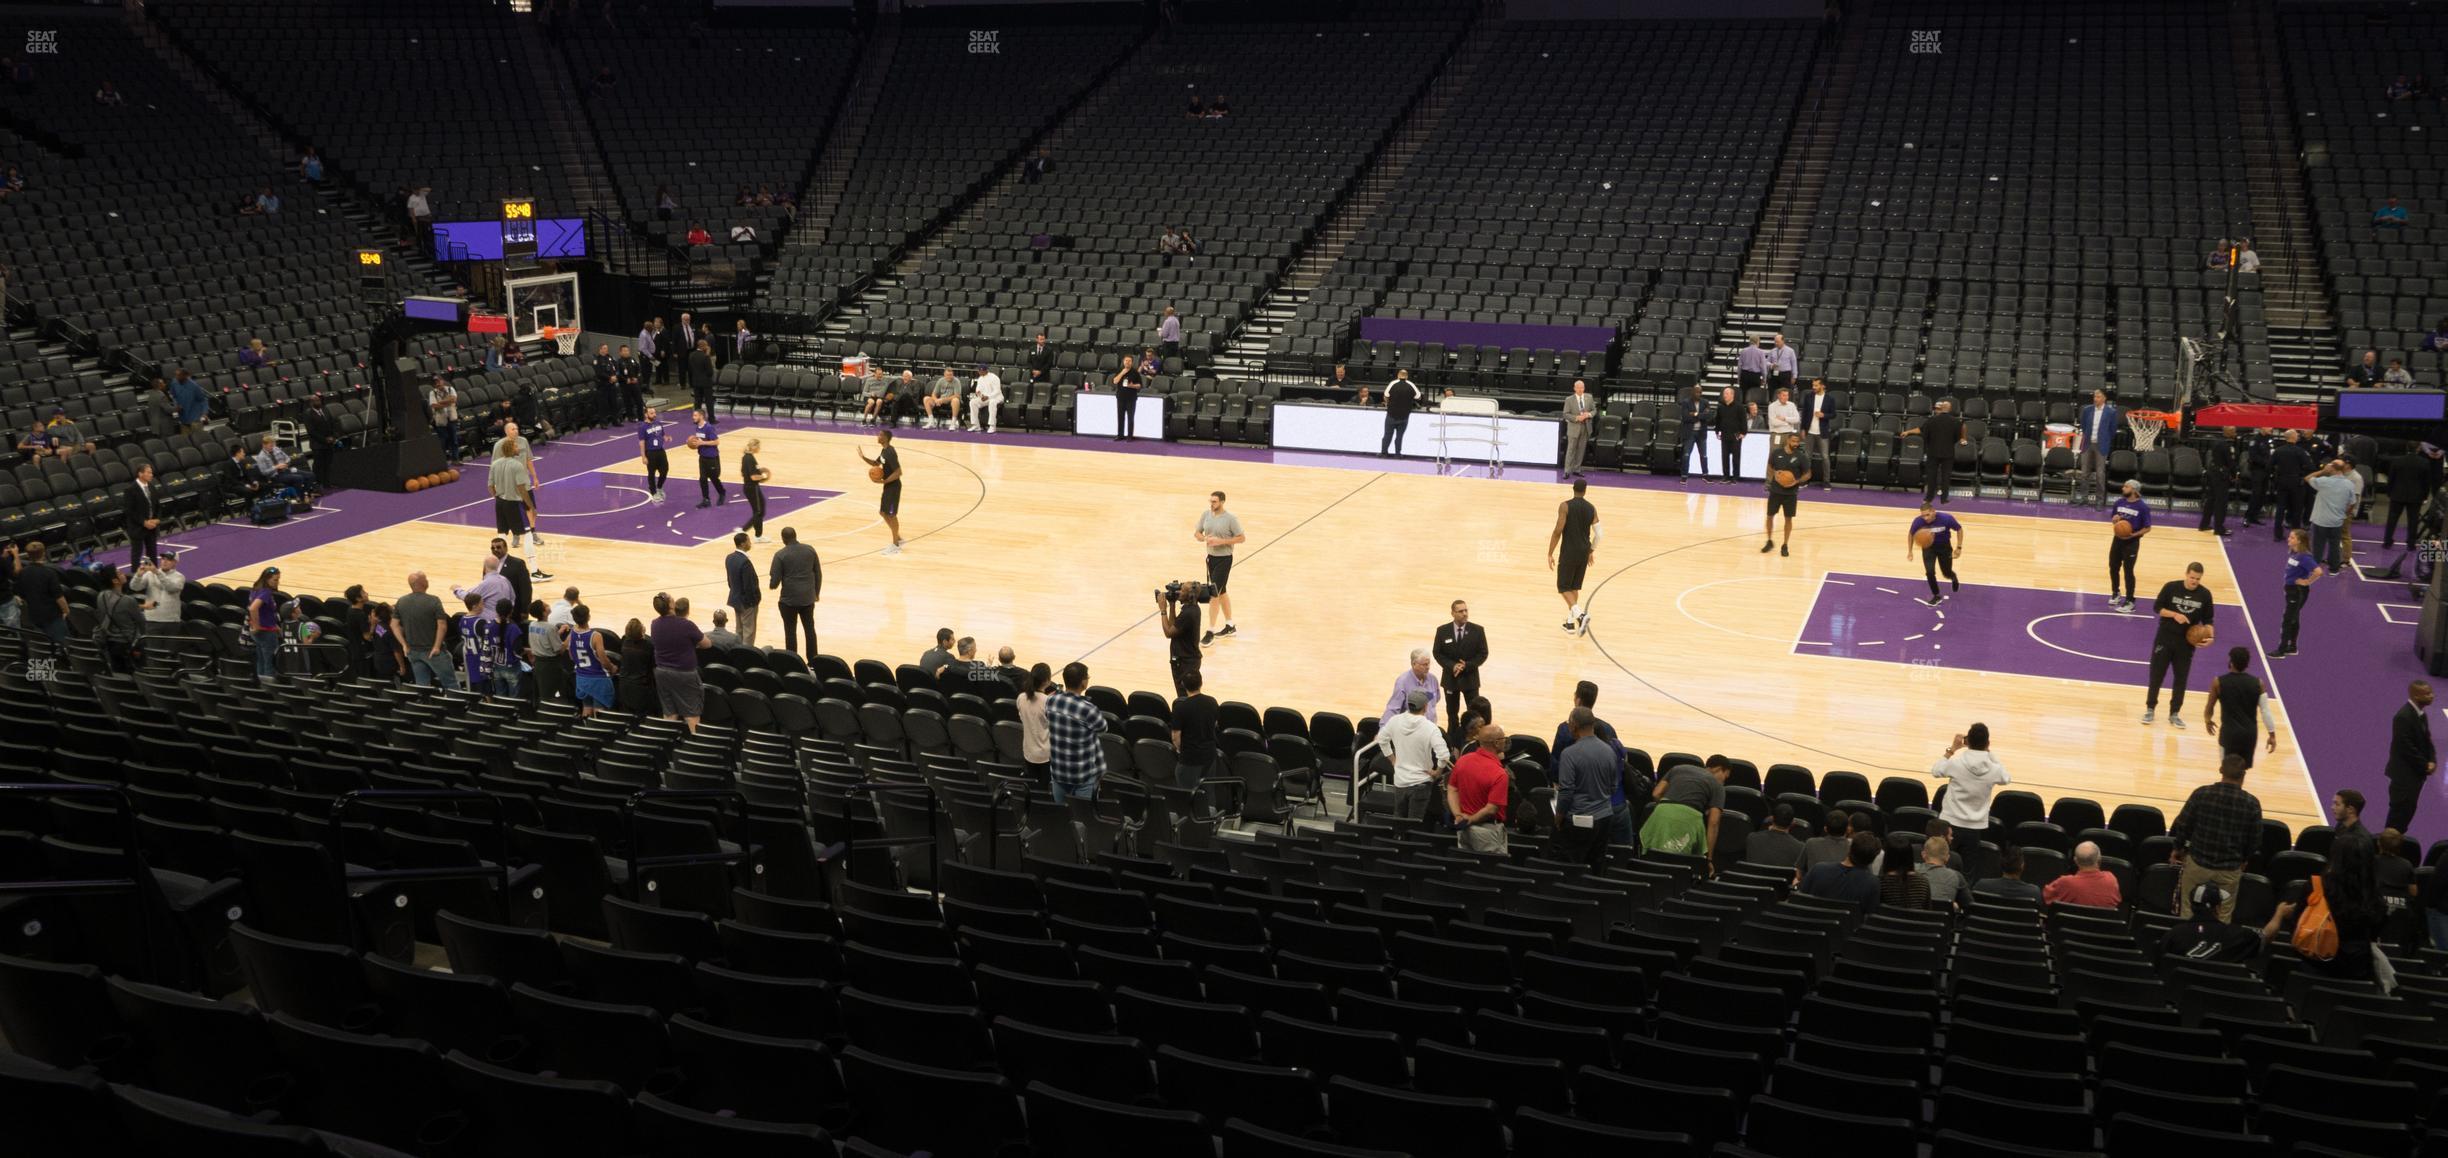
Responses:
[2340,690]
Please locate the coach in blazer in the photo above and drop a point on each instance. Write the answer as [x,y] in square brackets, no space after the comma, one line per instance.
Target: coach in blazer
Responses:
[1459,643]
[2412,757]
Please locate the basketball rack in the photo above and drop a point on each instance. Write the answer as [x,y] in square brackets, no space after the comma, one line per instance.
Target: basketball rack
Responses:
[2147,426]
[1469,422]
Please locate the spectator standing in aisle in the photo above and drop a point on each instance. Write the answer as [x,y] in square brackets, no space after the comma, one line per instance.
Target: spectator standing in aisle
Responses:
[1751,367]
[740,573]
[797,578]
[2216,832]
[1733,421]
[421,626]
[1781,366]
[1075,757]
[1973,777]
[1169,334]
[1476,791]
[1816,431]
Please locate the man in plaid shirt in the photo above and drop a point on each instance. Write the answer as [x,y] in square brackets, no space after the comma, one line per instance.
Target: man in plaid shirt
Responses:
[1072,726]
[2216,833]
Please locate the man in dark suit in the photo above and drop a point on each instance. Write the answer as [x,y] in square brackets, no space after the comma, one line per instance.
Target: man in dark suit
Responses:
[1733,421]
[1940,433]
[2257,473]
[798,579]
[1041,361]
[140,508]
[1461,650]
[2412,757]
[2413,476]
[1693,438]
[701,376]
[514,572]
[743,595]
[2218,475]
[2289,463]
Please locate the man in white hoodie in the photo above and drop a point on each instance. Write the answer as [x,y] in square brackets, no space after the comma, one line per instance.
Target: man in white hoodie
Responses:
[985,399]
[1973,776]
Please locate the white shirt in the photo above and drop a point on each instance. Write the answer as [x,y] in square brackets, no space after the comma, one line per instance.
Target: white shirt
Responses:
[989,387]
[1784,418]
[560,615]
[1976,776]
[1415,744]
[417,206]
[2250,262]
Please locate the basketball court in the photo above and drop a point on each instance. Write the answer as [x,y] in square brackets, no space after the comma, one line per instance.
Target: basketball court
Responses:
[1698,640]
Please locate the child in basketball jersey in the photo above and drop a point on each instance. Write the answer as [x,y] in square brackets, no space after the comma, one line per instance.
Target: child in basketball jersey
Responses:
[592,665]
[477,644]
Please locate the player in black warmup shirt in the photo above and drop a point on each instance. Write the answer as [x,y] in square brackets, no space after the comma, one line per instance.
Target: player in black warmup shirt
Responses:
[1787,457]
[1401,395]
[2183,603]
[2237,695]
[888,463]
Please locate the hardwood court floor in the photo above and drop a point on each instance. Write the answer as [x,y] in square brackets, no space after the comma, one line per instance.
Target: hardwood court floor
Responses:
[1693,638]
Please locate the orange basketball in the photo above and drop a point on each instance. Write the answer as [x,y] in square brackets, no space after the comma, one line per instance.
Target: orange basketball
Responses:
[416,484]
[2200,635]
[451,475]
[1785,478]
[1924,537]
[875,474]
[2123,528]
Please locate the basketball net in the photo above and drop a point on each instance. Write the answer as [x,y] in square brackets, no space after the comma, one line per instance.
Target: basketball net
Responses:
[564,339]
[2146,428]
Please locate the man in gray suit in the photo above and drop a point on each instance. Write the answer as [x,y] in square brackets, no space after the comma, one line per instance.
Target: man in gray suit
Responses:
[799,578]
[1580,410]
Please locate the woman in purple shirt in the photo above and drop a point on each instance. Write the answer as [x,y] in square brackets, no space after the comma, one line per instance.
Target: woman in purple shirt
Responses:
[263,622]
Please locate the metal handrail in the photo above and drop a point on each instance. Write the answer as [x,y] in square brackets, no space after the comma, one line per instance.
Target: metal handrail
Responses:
[339,830]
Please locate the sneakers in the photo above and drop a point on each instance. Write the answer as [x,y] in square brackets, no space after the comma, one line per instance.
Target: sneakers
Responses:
[1584,622]
[1784,552]
[895,549]
[762,540]
[1569,624]
[2149,715]
[1229,629]
[2283,653]
[703,504]
[1207,640]
[1931,601]
[539,575]
[2175,721]
[1765,547]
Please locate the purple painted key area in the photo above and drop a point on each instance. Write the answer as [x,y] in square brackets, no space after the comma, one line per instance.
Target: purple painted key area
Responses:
[2016,630]
[613,505]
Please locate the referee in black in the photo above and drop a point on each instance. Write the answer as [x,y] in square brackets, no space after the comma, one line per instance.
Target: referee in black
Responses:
[1180,620]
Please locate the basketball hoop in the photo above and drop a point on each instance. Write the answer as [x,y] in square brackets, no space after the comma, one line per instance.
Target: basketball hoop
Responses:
[2146,426]
[564,338]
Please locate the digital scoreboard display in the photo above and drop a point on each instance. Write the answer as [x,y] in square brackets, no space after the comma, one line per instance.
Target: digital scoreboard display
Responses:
[518,228]
[548,237]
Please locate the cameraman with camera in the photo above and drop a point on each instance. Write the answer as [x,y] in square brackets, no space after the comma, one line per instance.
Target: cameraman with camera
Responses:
[1177,612]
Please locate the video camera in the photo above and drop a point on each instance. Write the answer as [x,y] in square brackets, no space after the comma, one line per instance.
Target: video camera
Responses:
[1177,591]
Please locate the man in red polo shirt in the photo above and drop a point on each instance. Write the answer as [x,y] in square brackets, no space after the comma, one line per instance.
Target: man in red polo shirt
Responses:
[2087,885]
[1475,792]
